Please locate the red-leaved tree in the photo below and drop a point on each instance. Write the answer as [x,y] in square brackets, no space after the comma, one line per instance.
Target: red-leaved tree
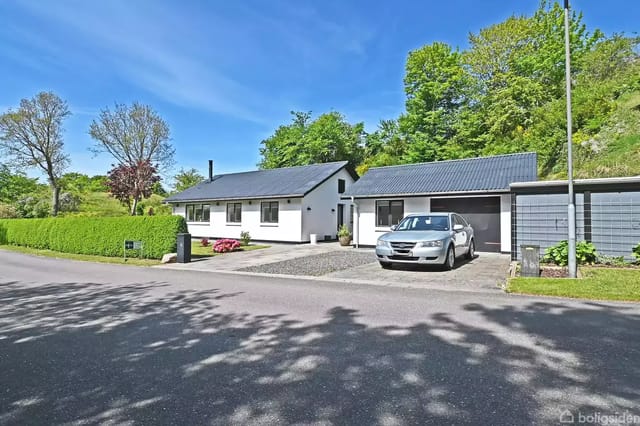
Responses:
[129,184]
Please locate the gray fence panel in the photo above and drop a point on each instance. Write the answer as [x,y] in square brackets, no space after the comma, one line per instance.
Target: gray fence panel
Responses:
[615,219]
[543,220]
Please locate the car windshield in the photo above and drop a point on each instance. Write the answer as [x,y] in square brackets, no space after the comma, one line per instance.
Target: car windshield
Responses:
[424,223]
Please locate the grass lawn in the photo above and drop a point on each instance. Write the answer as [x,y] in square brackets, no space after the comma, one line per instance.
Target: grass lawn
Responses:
[197,251]
[85,257]
[597,283]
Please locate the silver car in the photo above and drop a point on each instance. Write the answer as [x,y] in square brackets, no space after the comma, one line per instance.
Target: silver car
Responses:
[430,238]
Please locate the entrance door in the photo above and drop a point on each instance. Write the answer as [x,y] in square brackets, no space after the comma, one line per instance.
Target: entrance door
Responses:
[340,215]
[483,213]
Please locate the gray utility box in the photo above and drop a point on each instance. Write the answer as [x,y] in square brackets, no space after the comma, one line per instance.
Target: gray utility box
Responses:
[530,265]
[184,248]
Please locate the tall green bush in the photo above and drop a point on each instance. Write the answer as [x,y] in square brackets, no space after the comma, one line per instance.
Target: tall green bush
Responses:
[103,236]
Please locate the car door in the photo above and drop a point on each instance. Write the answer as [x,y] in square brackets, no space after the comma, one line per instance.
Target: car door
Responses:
[462,236]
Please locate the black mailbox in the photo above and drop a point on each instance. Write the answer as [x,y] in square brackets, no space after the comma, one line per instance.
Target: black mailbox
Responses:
[184,248]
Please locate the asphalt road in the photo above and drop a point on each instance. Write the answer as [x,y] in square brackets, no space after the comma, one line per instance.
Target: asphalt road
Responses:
[84,343]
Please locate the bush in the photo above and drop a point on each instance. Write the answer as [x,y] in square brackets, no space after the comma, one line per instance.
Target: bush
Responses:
[603,259]
[102,236]
[559,254]
[636,252]
[245,238]
[7,211]
[225,245]
[204,242]
[344,231]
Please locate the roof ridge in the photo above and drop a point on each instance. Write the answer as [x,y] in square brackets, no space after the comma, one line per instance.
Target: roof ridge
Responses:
[281,168]
[455,160]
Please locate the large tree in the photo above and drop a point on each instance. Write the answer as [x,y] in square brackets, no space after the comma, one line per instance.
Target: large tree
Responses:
[435,85]
[134,135]
[32,137]
[14,185]
[305,141]
[185,179]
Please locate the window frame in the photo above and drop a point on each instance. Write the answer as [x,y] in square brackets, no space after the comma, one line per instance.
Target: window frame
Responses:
[197,213]
[342,186]
[236,216]
[269,220]
[389,218]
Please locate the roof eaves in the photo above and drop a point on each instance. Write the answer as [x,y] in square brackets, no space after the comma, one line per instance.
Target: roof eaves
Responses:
[425,194]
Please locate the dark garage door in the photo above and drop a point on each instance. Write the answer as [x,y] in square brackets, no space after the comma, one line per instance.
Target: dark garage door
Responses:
[482,212]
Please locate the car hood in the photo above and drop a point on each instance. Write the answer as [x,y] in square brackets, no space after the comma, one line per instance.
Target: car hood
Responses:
[415,235]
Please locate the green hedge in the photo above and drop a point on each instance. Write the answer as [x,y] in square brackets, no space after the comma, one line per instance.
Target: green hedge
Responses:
[103,236]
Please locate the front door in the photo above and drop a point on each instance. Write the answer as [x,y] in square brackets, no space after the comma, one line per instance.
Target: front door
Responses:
[340,215]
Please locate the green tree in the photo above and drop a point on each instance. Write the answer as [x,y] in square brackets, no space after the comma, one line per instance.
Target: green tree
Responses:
[436,86]
[185,179]
[14,185]
[136,137]
[328,138]
[384,147]
[32,137]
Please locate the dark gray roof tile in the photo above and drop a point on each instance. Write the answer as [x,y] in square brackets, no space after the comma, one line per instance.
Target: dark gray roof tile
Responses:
[468,175]
[283,182]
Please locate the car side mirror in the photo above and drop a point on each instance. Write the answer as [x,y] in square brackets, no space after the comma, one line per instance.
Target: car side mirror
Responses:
[458,227]
[393,227]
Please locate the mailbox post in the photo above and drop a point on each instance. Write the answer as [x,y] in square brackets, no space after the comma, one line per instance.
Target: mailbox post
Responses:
[184,248]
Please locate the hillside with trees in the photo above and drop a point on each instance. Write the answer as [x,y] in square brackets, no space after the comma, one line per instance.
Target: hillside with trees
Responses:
[505,93]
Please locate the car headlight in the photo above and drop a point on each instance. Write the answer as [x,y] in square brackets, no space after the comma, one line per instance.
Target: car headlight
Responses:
[430,243]
[382,243]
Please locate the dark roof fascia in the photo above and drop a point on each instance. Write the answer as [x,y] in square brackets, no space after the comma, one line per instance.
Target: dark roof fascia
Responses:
[326,179]
[591,185]
[265,197]
[427,194]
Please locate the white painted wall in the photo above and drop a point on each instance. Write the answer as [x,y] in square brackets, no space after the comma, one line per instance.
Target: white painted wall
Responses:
[505,223]
[369,233]
[321,220]
[288,227]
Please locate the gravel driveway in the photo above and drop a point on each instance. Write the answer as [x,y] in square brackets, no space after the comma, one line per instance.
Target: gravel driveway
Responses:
[317,264]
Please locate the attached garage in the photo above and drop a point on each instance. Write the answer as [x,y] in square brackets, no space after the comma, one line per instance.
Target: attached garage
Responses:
[477,188]
[482,212]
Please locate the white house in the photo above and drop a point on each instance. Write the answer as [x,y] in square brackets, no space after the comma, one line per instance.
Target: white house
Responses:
[287,204]
[477,188]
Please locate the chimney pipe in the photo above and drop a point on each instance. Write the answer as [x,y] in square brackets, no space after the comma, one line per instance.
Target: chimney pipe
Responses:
[210,170]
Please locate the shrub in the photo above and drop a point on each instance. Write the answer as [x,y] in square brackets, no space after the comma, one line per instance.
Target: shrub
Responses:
[611,260]
[204,242]
[245,238]
[559,254]
[636,252]
[7,211]
[225,245]
[103,236]
[344,231]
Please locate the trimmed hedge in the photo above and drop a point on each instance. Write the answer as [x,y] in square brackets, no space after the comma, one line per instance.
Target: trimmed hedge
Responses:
[102,236]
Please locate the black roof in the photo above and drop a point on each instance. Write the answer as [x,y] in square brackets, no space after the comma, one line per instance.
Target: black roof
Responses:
[270,183]
[482,174]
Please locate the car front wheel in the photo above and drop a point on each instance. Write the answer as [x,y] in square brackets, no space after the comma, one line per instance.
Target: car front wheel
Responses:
[450,259]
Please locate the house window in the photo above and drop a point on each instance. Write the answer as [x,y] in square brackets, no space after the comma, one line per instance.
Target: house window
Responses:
[389,212]
[269,212]
[341,186]
[197,212]
[234,212]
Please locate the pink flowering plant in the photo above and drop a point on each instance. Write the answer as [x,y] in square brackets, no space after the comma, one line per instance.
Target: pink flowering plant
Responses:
[225,245]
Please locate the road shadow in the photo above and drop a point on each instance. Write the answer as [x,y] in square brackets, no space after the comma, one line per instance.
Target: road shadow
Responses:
[460,262]
[90,353]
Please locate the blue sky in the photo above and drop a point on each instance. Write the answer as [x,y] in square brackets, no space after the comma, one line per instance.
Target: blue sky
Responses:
[225,74]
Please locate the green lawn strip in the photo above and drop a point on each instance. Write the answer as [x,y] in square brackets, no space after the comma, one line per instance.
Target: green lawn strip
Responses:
[198,251]
[597,284]
[84,257]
